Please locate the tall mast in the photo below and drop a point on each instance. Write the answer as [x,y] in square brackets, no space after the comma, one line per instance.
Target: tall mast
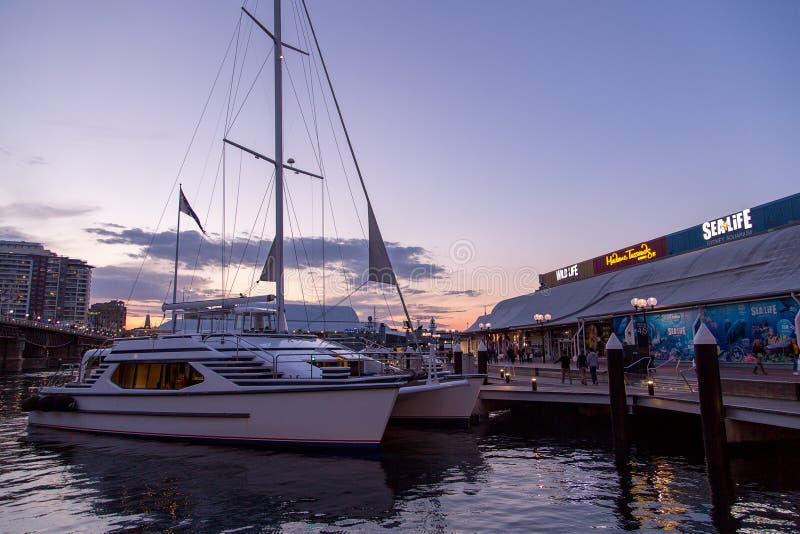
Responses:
[175,276]
[278,166]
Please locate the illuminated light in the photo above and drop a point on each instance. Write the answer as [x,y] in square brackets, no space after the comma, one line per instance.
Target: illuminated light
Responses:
[533,384]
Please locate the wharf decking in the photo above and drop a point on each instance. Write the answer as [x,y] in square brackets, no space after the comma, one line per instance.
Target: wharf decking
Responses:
[767,400]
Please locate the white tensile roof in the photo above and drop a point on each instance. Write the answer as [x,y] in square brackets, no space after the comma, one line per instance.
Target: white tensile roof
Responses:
[758,266]
[303,317]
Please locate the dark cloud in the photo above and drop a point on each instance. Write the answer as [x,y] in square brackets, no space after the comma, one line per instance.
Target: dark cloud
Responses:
[37,160]
[33,210]
[116,282]
[414,291]
[9,233]
[430,309]
[346,255]
[464,293]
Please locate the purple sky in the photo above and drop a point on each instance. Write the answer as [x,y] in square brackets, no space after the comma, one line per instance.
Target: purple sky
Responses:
[498,140]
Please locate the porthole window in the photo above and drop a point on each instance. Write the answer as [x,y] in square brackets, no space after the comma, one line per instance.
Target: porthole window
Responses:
[137,375]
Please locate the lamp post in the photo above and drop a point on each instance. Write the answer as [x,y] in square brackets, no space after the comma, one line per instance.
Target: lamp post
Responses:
[640,304]
[540,321]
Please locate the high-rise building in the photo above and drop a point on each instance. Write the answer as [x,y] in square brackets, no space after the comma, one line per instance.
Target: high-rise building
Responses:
[36,283]
[109,316]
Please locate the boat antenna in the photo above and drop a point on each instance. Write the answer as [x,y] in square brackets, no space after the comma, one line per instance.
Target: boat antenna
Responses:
[352,151]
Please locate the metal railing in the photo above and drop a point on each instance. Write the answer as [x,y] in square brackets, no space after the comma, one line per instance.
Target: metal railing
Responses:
[64,374]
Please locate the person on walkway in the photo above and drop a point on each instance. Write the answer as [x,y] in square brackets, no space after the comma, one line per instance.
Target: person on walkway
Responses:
[565,363]
[796,352]
[582,367]
[758,352]
[593,361]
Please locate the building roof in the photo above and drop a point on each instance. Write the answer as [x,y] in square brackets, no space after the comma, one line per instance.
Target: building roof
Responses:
[758,266]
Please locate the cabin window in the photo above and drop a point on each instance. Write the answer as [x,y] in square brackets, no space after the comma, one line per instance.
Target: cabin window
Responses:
[137,375]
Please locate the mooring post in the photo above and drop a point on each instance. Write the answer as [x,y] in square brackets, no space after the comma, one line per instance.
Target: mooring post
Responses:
[712,417]
[483,360]
[458,364]
[617,395]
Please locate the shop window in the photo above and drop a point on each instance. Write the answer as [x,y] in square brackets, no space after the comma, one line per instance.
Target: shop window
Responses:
[137,375]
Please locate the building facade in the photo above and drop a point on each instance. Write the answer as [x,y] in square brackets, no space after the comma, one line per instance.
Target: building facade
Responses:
[738,274]
[38,284]
[109,316]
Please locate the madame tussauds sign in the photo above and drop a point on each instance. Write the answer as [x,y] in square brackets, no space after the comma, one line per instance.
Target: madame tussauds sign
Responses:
[739,223]
[627,257]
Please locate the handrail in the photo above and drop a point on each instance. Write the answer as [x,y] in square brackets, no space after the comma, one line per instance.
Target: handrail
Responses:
[639,360]
[685,380]
[62,374]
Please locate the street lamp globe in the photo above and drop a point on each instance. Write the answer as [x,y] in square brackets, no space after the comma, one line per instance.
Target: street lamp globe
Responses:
[547,316]
[488,325]
[652,301]
[481,326]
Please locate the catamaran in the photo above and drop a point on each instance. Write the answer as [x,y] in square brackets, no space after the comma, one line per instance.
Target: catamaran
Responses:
[239,375]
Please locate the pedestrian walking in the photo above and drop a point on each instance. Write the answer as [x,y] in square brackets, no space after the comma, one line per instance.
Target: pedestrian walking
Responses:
[565,363]
[593,361]
[796,353]
[758,352]
[582,367]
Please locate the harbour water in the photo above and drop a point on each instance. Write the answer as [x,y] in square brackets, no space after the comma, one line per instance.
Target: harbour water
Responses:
[502,475]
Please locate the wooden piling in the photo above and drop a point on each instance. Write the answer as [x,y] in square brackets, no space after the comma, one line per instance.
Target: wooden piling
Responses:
[617,394]
[458,362]
[483,359]
[712,417]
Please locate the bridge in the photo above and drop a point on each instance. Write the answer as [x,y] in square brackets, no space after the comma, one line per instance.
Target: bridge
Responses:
[30,345]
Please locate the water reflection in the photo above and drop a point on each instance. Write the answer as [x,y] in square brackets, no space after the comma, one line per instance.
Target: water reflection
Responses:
[543,473]
[172,484]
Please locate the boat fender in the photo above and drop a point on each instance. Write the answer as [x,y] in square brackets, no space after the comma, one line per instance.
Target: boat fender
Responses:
[30,404]
[46,403]
[65,403]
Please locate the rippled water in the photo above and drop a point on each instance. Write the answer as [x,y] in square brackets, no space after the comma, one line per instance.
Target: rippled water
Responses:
[494,477]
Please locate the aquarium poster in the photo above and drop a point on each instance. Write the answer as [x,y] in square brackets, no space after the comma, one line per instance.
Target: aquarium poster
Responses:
[671,335]
[735,327]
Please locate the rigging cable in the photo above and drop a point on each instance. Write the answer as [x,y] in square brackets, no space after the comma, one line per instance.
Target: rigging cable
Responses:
[302,241]
[297,261]
[180,168]
[347,136]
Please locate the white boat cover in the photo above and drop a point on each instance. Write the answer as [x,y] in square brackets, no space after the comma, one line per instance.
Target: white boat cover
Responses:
[763,265]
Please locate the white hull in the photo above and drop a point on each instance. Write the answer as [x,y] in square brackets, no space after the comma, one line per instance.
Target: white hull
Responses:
[452,400]
[349,416]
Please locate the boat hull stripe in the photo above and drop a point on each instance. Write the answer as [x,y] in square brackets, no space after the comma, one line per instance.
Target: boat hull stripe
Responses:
[168,414]
[227,439]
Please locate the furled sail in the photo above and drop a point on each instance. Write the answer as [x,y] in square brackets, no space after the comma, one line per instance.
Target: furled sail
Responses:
[268,272]
[380,268]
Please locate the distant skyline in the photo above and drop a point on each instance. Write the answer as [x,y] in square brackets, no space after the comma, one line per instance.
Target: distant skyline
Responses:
[498,141]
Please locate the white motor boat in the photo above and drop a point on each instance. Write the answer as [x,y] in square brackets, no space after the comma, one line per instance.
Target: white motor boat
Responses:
[213,388]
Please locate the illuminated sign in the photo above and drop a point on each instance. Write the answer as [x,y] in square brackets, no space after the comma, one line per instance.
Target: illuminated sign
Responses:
[567,272]
[630,256]
[738,222]
[571,273]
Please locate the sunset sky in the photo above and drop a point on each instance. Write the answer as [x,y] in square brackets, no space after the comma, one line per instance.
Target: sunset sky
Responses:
[498,140]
